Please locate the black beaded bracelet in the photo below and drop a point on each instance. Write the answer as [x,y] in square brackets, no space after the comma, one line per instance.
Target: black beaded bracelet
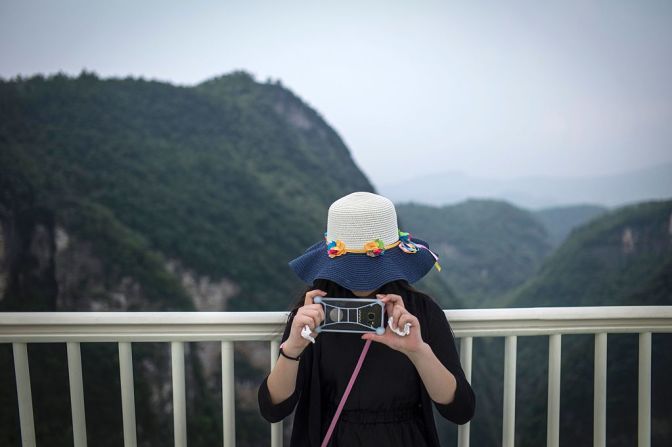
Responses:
[286,356]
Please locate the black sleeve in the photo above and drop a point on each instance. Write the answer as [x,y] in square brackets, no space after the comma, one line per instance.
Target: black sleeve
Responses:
[277,412]
[442,342]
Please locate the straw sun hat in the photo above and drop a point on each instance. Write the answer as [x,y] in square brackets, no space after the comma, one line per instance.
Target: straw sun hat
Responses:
[363,248]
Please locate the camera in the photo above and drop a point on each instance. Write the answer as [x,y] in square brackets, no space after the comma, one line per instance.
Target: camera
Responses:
[357,315]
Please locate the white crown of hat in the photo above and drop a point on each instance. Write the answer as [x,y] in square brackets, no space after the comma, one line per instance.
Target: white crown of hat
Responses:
[362,217]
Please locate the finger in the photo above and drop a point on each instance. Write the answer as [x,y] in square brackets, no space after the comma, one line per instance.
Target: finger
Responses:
[304,320]
[391,298]
[396,314]
[319,308]
[314,314]
[391,301]
[407,318]
[312,294]
[374,337]
[389,307]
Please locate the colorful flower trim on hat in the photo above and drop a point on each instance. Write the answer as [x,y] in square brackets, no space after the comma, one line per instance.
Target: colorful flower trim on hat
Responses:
[374,248]
[335,248]
[405,243]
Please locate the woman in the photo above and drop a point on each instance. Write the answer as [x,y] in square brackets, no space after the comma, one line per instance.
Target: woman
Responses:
[402,376]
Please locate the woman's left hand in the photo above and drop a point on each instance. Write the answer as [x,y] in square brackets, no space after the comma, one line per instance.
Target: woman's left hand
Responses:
[394,307]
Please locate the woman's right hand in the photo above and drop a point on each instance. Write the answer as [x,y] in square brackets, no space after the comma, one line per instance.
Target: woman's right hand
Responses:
[309,314]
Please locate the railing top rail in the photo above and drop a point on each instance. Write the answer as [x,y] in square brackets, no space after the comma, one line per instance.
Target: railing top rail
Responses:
[202,326]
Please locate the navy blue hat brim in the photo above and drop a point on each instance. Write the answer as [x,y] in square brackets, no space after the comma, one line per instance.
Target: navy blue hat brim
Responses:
[357,271]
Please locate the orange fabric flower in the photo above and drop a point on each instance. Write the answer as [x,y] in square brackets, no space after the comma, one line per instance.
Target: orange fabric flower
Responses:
[336,248]
[375,248]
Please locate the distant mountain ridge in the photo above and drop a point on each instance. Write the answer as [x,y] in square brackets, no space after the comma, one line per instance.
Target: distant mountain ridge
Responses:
[560,221]
[536,192]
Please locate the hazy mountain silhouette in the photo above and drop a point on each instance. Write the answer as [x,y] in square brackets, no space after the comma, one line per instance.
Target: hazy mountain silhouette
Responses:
[535,192]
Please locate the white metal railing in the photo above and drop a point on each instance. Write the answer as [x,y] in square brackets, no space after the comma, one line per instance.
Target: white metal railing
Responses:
[177,328]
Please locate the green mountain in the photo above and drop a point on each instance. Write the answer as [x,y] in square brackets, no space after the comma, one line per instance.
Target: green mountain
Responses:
[619,258]
[486,247]
[560,221]
[128,195]
[228,179]
[604,258]
[622,258]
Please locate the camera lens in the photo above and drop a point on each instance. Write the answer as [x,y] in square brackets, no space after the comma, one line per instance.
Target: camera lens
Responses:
[371,316]
[336,314]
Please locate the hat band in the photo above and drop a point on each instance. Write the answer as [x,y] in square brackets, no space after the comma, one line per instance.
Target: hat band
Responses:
[378,247]
[372,247]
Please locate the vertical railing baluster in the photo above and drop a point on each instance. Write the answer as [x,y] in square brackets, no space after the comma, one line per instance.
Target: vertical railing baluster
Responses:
[553,413]
[600,392]
[276,427]
[179,400]
[466,344]
[228,395]
[509,422]
[24,394]
[76,394]
[127,393]
[644,391]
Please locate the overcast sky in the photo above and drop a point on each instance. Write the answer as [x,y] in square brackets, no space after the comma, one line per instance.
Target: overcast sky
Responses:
[499,89]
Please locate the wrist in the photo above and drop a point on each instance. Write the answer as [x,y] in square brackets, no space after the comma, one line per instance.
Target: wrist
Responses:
[291,350]
[422,350]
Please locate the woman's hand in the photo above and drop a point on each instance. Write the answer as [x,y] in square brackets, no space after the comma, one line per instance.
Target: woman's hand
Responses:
[394,307]
[309,314]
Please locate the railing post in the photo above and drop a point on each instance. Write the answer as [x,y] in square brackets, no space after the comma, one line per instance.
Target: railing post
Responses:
[179,400]
[509,422]
[228,395]
[554,371]
[24,394]
[276,427]
[600,393]
[466,344]
[644,391]
[76,394]
[127,393]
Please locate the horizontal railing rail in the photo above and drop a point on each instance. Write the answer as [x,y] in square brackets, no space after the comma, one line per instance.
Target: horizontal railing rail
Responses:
[125,328]
[43,327]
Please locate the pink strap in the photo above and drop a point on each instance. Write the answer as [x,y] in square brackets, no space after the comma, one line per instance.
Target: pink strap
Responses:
[347,391]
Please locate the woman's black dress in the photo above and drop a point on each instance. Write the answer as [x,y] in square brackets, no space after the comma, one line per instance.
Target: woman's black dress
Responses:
[388,404]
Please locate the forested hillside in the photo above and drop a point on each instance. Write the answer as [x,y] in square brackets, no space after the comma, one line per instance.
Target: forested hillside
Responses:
[621,258]
[560,221]
[497,255]
[126,195]
[487,247]
[217,178]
